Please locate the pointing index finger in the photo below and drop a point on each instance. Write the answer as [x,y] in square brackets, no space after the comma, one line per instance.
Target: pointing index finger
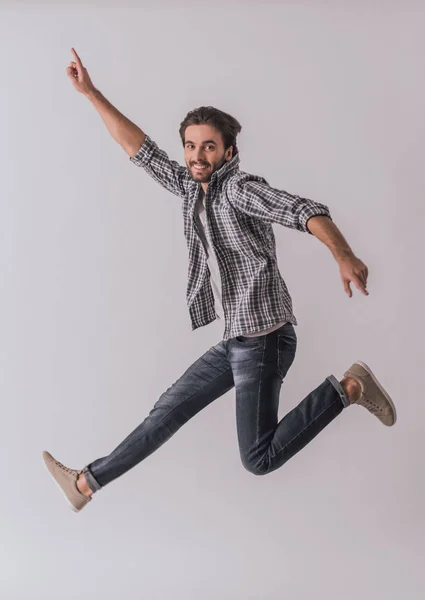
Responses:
[77,57]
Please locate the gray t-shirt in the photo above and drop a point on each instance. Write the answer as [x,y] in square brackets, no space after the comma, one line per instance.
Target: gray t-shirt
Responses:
[214,268]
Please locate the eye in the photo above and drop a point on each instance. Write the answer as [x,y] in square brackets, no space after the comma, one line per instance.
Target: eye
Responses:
[209,146]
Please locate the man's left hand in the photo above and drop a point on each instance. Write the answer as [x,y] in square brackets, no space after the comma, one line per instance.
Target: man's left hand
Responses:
[353,270]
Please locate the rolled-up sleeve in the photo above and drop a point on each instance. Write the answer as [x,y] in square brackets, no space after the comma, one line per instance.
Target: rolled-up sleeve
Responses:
[156,162]
[255,197]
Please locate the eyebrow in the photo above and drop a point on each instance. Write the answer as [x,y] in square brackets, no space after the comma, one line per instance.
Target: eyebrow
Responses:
[205,142]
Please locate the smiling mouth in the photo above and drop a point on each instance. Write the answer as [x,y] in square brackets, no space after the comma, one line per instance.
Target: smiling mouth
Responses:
[200,168]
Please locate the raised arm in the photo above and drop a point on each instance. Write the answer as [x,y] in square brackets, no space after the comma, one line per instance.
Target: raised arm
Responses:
[142,150]
[128,135]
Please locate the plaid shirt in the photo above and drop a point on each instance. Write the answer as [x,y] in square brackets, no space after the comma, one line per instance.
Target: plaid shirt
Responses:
[240,209]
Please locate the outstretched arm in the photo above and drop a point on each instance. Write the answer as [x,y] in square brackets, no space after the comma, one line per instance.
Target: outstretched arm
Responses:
[129,136]
[253,195]
[143,151]
[351,268]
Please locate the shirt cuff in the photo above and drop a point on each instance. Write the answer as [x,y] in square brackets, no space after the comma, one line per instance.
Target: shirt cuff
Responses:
[145,152]
[312,210]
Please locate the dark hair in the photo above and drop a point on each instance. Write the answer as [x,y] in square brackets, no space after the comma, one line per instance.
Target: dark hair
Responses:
[227,125]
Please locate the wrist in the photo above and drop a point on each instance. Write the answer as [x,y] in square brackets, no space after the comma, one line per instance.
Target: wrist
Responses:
[92,94]
[341,254]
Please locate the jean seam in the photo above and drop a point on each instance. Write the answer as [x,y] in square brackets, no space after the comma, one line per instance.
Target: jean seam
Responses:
[258,404]
[302,431]
[278,356]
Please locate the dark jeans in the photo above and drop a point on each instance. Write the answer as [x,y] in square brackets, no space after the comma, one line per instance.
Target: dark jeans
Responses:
[256,368]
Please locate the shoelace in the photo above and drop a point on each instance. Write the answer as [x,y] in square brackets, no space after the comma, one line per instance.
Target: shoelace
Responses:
[370,405]
[61,466]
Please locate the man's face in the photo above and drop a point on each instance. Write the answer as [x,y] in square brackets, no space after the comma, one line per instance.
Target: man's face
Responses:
[204,147]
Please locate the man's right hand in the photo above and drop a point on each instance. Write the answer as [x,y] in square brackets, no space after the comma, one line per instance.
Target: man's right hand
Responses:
[79,76]
[129,136]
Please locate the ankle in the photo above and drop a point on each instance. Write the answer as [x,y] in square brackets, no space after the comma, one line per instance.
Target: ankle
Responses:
[351,388]
[83,486]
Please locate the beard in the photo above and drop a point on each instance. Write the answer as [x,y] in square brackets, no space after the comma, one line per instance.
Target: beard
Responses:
[205,176]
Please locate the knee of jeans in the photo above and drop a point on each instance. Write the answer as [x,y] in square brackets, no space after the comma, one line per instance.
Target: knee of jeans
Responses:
[256,467]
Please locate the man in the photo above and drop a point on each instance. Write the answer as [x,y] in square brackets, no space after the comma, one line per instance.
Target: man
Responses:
[233,275]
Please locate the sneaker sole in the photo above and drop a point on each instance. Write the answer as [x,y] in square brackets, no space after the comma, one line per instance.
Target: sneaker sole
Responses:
[71,506]
[391,403]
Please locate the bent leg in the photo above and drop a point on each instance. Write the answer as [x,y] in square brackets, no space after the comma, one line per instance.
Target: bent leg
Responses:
[259,367]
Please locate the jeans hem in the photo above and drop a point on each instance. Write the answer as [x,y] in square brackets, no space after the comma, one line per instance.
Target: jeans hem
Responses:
[92,482]
[334,381]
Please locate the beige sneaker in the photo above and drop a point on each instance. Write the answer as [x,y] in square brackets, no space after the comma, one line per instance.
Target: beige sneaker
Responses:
[66,479]
[373,396]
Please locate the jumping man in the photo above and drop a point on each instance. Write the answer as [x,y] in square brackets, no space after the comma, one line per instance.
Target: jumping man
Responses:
[233,275]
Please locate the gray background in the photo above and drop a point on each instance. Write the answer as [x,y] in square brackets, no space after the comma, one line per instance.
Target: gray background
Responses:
[94,324]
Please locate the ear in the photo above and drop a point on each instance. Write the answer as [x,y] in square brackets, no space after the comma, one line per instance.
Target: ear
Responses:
[229,153]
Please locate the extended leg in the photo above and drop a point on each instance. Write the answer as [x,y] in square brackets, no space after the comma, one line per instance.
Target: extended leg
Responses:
[205,380]
[208,378]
